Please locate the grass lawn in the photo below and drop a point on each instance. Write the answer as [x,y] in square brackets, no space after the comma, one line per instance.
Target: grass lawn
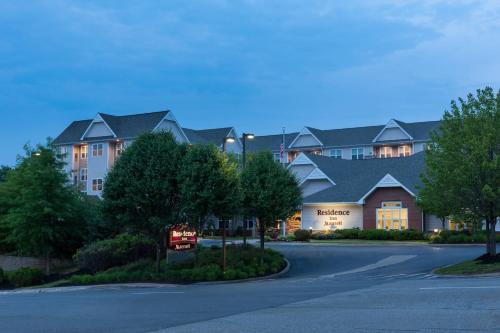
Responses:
[471,267]
[369,242]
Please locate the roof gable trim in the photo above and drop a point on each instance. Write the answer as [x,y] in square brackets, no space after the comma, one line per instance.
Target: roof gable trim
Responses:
[97,119]
[302,159]
[387,181]
[170,117]
[304,131]
[392,124]
[316,174]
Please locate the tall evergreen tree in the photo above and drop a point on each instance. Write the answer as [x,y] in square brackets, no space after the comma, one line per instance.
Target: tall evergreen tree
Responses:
[462,176]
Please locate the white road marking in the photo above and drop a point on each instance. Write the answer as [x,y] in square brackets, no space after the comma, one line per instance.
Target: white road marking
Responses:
[392,260]
[158,292]
[465,287]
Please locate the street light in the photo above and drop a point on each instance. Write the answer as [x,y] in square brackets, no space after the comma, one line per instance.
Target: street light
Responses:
[227,139]
[245,137]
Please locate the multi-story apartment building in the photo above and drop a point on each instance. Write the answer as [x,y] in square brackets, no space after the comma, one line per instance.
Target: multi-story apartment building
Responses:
[90,147]
[394,139]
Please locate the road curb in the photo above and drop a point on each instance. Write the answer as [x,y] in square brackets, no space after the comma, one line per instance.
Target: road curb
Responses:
[139,285]
[433,273]
[265,277]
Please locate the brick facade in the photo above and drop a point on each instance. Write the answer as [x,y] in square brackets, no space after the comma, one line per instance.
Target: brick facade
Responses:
[375,199]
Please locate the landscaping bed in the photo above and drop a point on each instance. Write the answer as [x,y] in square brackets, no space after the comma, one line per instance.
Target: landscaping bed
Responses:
[481,265]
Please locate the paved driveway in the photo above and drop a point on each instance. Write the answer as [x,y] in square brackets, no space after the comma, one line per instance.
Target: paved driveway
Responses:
[324,285]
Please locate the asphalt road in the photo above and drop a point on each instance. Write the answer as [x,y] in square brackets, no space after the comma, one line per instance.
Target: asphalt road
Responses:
[324,282]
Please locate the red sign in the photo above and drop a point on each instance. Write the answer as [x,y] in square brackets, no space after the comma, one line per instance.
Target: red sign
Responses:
[182,238]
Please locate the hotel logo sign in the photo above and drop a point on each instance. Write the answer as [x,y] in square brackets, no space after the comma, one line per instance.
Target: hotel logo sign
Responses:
[333,217]
[182,238]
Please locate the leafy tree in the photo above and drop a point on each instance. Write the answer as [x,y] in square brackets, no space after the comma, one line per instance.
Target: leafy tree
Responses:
[40,213]
[3,172]
[270,192]
[462,176]
[141,191]
[209,184]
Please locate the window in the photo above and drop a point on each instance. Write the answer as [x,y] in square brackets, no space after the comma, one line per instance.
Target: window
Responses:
[385,152]
[97,150]
[83,152]
[336,153]
[277,157]
[62,151]
[83,175]
[97,184]
[119,148]
[76,157]
[404,151]
[392,216]
[357,153]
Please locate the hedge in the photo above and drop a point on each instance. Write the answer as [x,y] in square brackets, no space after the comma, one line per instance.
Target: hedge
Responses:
[122,249]
[370,234]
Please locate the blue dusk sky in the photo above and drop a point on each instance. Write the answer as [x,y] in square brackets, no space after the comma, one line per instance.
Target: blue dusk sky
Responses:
[255,65]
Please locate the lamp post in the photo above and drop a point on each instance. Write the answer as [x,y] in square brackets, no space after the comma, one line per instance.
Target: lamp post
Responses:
[227,139]
[244,137]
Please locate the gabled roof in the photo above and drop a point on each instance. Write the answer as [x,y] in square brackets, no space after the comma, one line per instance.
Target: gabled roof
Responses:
[365,135]
[269,142]
[208,136]
[355,178]
[128,126]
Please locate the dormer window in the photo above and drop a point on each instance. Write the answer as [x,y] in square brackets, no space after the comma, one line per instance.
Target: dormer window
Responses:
[385,152]
[404,151]
[357,153]
[336,153]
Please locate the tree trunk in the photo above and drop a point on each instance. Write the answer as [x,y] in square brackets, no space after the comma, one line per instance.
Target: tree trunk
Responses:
[244,231]
[443,222]
[488,237]
[47,263]
[158,255]
[223,245]
[262,231]
[492,237]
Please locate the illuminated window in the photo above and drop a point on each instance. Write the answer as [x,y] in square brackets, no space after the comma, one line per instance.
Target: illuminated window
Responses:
[336,153]
[357,153]
[119,148]
[83,152]
[404,151]
[97,150]
[385,152]
[392,216]
[97,184]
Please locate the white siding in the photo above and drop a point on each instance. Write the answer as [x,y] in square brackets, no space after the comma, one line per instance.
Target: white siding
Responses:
[315,185]
[301,171]
[312,219]
[306,140]
[97,130]
[172,127]
[97,166]
[392,134]
[418,147]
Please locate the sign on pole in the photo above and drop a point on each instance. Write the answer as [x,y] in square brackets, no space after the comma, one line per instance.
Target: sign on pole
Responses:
[182,238]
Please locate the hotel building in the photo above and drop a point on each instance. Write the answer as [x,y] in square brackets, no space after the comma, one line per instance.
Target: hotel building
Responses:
[364,177]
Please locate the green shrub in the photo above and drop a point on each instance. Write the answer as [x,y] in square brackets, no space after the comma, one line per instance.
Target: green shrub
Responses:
[122,249]
[348,233]
[25,277]
[458,237]
[302,235]
[326,235]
